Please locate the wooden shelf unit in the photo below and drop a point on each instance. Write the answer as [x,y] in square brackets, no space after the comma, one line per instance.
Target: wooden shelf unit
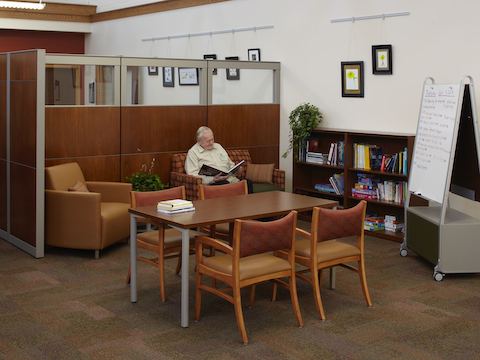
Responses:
[306,175]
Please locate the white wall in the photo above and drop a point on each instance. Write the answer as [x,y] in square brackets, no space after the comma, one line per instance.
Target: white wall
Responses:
[439,39]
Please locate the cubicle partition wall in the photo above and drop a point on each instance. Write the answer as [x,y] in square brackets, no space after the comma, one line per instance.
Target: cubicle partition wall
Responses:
[3,145]
[23,150]
[117,115]
[82,114]
[160,111]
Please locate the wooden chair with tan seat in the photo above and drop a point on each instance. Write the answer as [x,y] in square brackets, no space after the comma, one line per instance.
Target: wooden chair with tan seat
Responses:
[249,261]
[165,242]
[330,244]
[222,231]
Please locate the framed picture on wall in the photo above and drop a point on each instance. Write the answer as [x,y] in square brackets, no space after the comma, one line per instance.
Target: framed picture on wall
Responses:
[254,55]
[168,77]
[188,76]
[352,79]
[382,59]
[233,74]
[211,57]
[152,70]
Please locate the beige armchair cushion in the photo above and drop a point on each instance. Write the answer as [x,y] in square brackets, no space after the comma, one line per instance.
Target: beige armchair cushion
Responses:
[250,266]
[326,250]
[61,177]
[79,186]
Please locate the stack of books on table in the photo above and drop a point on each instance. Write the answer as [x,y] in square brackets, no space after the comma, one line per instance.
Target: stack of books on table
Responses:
[175,206]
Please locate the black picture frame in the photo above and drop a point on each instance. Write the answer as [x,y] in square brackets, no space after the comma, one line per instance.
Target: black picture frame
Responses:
[187,76]
[382,63]
[254,55]
[152,70]
[168,74]
[211,57]
[352,79]
[232,74]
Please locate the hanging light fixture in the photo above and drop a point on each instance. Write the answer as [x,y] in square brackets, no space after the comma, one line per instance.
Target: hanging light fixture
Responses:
[22,5]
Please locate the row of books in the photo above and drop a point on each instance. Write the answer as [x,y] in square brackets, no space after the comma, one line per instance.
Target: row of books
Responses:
[312,153]
[175,206]
[371,157]
[335,186]
[378,223]
[368,187]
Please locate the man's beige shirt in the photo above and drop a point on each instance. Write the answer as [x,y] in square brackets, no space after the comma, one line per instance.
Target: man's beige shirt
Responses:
[217,157]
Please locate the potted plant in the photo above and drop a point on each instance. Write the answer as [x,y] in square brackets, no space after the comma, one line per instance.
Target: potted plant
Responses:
[303,119]
[145,180]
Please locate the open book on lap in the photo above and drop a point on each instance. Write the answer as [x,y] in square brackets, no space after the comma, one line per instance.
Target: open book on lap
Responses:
[211,171]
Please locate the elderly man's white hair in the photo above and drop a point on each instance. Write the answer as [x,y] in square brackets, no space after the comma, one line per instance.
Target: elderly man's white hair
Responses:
[202,130]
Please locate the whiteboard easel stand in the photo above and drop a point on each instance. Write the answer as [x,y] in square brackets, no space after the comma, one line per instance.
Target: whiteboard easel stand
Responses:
[462,221]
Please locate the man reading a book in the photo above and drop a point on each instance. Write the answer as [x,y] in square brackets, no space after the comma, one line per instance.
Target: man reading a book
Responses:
[207,152]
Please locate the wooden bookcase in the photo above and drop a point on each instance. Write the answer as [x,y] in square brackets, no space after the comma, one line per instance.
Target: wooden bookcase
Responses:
[306,175]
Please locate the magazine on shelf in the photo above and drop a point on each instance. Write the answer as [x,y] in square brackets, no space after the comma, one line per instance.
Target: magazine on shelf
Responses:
[211,171]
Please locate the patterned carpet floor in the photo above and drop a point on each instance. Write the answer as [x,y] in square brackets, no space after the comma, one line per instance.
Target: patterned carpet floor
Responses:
[70,306]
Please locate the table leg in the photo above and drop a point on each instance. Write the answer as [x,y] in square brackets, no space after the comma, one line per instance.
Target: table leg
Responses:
[133,258]
[185,277]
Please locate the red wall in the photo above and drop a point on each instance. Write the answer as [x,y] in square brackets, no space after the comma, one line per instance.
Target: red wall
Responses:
[51,41]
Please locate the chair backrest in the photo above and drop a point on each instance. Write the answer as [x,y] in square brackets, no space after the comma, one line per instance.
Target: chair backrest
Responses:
[252,237]
[217,191]
[147,198]
[328,224]
[238,155]
[178,163]
[63,176]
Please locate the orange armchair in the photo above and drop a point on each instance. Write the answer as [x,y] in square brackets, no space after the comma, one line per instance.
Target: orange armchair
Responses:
[90,220]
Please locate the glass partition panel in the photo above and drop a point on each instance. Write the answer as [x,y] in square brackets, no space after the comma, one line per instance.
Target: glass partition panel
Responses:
[156,85]
[79,84]
[242,86]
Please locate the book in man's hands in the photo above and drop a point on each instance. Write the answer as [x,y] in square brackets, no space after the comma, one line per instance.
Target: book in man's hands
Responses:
[211,171]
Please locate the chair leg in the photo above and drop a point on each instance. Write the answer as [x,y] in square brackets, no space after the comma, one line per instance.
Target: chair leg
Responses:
[237,302]
[363,281]
[274,291]
[294,297]
[252,296]
[129,274]
[198,295]
[161,274]
[316,294]
[179,264]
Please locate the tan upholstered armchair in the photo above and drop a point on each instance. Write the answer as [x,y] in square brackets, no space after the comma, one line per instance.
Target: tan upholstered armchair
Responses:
[89,220]
[178,177]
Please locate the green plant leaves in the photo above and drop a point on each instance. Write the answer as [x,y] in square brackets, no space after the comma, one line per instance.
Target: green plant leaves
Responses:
[303,119]
[144,181]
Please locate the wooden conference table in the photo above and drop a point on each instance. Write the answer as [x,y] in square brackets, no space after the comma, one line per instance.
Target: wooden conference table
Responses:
[215,211]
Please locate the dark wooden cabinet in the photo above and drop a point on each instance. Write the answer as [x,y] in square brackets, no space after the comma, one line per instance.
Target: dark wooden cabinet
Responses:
[306,174]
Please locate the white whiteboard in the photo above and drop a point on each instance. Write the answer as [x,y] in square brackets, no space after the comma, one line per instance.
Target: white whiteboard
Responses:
[433,141]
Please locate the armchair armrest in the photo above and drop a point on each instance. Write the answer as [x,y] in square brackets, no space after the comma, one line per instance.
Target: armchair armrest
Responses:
[279,178]
[111,191]
[191,183]
[214,243]
[72,219]
[302,233]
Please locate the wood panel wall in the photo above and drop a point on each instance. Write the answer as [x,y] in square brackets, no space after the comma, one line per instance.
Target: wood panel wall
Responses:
[3,142]
[87,135]
[51,41]
[253,127]
[157,132]
[23,102]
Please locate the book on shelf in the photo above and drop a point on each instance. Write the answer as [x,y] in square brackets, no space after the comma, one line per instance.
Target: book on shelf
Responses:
[316,158]
[211,171]
[326,188]
[371,157]
[337,183]
[368,187]
[311,152]
[374,223]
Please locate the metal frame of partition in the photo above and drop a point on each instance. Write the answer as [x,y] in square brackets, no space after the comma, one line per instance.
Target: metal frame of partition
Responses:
[65,59]
[38,250]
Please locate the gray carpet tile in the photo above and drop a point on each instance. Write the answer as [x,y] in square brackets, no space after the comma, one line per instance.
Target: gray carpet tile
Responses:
[70,306]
